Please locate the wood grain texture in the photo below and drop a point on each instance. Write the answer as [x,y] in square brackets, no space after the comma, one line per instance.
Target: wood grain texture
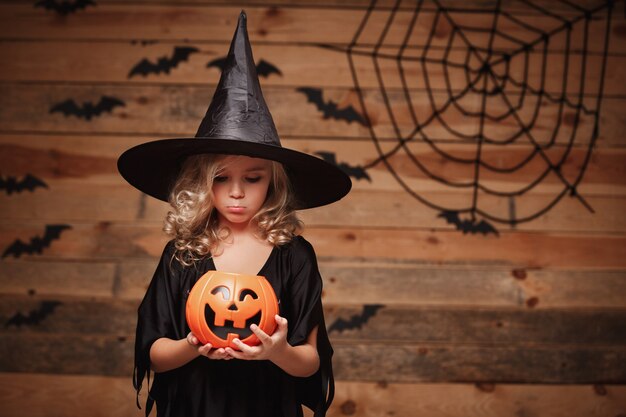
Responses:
[58,353]
[349,283]
[106,241]
[176,111]
[273,24]
[39,395]
[477,325]
[300,65]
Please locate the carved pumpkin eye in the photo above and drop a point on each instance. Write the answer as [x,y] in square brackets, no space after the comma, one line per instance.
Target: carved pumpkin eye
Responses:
[249,292]
[222,290]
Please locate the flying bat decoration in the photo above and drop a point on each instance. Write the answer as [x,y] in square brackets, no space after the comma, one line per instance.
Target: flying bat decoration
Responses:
[12,185]
[37,244]
[357,172]
[87,110]
[34,317]
[468,226]
[64,7]
[329,109]
[164,63]
[263,68]
[356,321]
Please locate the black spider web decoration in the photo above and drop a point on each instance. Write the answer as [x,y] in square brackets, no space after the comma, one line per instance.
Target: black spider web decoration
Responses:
[484,81]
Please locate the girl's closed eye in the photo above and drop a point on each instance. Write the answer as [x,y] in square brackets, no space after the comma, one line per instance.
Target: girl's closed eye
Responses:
[253,179]
[220,178]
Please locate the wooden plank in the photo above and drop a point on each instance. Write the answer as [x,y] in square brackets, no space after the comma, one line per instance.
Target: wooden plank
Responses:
[365,283]
[403,4]
[35,395]
[300,65]
[392,325]
[43,395]
[275,24]
[73,160]
[87,279]
[429,363]
[176,112]
[113,356]
[106,241]
[350,283]
[68,202]
[476,325]
[362,399]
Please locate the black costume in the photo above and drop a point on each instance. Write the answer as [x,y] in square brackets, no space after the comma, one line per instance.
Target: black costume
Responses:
[235,388]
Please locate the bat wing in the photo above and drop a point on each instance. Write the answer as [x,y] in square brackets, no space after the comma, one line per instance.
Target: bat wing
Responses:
[356,321]
[144,67]
[265,69]
[181,54]
[357,172]
[16,320]
[452,217]
[53,232]
[81,4]
[107,103]
[313,95]
[30,183]
[45,309]
[16,249]
[218,62]
[348,114]
[485,228]
[329,157]
[67,107]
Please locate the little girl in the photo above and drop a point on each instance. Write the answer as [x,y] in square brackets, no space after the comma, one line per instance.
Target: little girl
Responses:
[234,191]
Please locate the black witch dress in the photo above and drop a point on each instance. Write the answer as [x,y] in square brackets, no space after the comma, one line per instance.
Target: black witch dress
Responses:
[235,388]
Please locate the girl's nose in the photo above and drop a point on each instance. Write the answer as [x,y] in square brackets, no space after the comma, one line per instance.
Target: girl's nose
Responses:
[236,190]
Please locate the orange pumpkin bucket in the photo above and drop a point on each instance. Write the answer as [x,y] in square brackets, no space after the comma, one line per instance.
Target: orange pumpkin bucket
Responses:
[221,307]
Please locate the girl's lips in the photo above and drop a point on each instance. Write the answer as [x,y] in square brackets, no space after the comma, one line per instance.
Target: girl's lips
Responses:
[235,209]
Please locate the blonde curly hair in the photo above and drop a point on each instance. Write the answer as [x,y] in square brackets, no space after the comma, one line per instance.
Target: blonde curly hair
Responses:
[193,222]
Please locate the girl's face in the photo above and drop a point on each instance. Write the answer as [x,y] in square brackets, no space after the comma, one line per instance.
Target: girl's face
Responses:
[240,188]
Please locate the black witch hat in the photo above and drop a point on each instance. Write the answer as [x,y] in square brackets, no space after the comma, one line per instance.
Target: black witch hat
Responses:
[237,122]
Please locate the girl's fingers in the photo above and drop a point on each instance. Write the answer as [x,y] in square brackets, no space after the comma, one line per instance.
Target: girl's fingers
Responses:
[263,337]
[235,354]
[245,349]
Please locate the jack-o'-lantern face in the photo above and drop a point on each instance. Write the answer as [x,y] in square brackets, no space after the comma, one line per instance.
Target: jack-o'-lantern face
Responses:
[222,306]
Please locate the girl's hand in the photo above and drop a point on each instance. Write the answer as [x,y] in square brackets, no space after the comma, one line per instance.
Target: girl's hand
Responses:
[205,350]
[269,347]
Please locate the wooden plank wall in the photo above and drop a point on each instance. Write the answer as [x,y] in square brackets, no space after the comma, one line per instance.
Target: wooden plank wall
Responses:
[528,323]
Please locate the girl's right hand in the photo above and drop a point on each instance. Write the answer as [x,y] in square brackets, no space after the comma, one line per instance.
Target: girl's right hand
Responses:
[206,350]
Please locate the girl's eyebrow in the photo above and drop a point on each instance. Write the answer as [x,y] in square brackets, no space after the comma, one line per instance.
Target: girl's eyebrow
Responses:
[260,168]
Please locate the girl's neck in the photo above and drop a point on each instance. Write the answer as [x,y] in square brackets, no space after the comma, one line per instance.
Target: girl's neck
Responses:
[239,231]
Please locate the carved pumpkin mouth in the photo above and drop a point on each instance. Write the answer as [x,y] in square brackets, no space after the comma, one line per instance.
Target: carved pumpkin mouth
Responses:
[229,327]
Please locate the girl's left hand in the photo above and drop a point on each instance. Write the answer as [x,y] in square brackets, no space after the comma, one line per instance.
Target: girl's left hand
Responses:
[270,345]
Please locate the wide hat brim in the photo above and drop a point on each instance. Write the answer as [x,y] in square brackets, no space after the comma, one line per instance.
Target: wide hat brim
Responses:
[153,167]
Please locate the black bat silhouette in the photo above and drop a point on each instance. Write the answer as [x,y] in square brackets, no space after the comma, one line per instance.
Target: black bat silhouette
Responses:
[329,109]
[468,226]
[163,64]
[263,68]
[356,321]
[64,7]
[12,185]
[33,317]
[357,172]
[87,110]
[37,244]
